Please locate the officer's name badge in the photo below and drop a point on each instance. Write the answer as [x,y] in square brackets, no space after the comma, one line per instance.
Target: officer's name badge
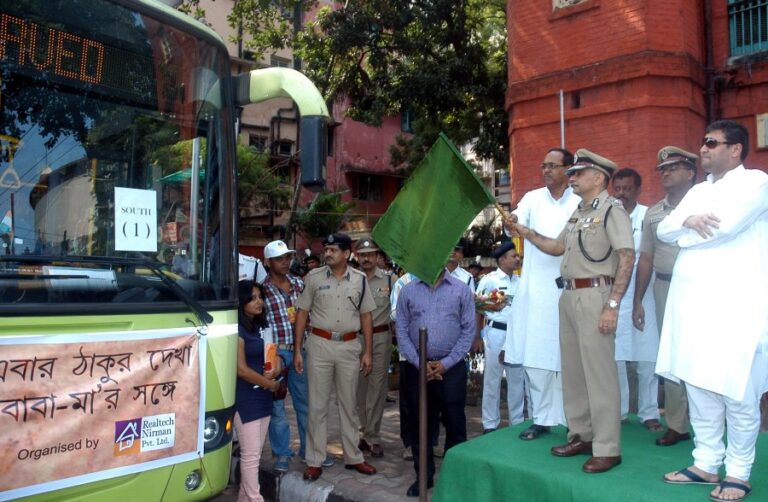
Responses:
[326,286]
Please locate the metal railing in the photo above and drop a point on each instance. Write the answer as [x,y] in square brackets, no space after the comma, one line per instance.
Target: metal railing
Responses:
[748,21]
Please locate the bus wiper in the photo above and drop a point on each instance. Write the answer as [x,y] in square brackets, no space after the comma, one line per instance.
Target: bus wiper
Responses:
[180,292]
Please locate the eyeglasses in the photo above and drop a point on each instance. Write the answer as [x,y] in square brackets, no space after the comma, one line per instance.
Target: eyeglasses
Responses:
[550,165]
[712,143]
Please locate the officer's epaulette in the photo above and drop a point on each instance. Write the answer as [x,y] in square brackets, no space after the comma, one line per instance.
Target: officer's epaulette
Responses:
[658,206]
[615,202]
[356,271]
[317,270]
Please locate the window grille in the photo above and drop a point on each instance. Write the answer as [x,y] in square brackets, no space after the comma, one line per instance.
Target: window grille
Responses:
[748,26]
[561,4]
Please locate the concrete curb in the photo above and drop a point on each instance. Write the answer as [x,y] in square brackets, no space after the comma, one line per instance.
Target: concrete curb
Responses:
[290,486]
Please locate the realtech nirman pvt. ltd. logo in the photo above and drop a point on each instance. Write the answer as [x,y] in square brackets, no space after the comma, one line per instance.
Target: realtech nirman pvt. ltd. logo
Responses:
[143,434]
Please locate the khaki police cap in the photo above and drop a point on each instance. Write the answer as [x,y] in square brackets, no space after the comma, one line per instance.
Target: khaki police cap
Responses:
[672,155]
[366,245]
[584,159]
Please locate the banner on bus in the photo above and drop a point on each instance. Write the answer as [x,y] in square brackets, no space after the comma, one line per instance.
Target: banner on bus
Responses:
[80,408]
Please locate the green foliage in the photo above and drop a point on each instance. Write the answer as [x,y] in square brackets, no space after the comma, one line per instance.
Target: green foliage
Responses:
[323,216]
[481,239]
[257,183]
[444,61]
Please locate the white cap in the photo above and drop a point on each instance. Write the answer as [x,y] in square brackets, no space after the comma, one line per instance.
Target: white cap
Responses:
[275,249]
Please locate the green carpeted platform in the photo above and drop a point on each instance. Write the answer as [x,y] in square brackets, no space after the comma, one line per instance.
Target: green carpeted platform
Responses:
[500,467]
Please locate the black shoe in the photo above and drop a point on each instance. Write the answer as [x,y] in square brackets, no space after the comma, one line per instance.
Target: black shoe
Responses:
[488,431]
[533,432]
[413,490]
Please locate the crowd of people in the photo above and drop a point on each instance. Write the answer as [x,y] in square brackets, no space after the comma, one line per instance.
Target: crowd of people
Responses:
[562,332]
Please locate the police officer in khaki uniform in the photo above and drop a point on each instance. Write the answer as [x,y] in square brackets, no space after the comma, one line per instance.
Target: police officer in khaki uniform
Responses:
[340,303]
[678,174]
[598,256]
[372,390]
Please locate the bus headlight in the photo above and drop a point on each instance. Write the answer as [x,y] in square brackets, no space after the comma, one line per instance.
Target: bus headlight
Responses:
[211,429]
[193,480]
[217,429]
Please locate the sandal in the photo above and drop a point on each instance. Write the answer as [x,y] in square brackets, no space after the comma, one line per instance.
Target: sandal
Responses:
[731,484]
[693,479]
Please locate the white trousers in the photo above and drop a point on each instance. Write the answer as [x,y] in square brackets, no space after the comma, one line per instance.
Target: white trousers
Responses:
[713,415]
[546,396]
[647,390]
[492,375]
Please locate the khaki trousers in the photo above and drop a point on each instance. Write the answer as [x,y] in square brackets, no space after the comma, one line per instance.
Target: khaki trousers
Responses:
[675,398]
[331,363]
[372,390]
[590,378]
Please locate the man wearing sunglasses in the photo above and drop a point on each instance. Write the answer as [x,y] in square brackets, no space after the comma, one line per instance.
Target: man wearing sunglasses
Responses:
[677,169]
[598,258]
[715,333]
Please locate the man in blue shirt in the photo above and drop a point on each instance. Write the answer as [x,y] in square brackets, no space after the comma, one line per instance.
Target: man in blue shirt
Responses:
[447,311]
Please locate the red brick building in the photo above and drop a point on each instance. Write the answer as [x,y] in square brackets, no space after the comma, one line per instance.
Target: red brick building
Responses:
[634,77]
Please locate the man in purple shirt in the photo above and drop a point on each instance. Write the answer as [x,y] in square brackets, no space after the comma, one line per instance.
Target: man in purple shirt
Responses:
[447,311]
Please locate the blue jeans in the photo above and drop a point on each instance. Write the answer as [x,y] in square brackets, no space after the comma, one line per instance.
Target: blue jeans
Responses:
[279,429]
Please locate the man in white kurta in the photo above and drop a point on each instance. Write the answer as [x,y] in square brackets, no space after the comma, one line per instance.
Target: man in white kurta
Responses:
[533,336]
[492,325]
[715,332]
[631,343]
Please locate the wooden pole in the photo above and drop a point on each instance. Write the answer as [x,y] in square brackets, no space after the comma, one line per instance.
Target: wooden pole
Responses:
[423,415]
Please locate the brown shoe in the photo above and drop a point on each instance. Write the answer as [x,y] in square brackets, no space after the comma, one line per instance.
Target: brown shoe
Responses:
[574,447]
[600,464]
[377,450]
[362,468]
[312,473]
[653,425]
[672,437]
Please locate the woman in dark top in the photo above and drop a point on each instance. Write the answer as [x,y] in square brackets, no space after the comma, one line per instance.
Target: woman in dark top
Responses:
[253,393]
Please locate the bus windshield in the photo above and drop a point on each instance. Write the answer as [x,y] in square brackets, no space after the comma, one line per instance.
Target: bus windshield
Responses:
[115,142]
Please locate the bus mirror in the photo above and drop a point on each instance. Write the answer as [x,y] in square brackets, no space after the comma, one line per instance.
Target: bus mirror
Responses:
[313,144]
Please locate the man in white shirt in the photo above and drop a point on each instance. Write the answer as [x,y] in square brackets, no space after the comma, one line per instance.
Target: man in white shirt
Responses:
[492,322]
[633,344]
[715,332]
[533,338]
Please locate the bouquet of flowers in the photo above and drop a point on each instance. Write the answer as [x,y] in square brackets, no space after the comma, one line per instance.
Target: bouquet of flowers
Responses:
[494,298]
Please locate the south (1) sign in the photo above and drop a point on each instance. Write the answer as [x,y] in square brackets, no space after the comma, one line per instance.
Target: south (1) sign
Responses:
[135,220]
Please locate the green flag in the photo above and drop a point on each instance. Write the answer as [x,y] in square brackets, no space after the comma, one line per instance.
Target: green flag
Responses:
[431,212]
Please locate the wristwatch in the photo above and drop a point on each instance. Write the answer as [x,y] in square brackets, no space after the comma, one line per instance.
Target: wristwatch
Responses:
[613,304]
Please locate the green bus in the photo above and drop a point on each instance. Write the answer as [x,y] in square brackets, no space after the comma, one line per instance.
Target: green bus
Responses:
[118,247]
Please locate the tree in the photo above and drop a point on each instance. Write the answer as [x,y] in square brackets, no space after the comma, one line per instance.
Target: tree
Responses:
[322,217]
[443,62]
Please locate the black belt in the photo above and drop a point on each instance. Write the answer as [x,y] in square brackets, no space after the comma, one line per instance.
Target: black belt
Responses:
[497,325]
[664,277]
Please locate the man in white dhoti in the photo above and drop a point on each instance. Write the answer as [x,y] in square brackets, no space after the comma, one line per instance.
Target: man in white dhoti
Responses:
[533,338]
[633,344]
[715,332]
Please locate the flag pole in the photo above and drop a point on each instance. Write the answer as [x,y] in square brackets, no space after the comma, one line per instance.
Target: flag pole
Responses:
[500,209]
